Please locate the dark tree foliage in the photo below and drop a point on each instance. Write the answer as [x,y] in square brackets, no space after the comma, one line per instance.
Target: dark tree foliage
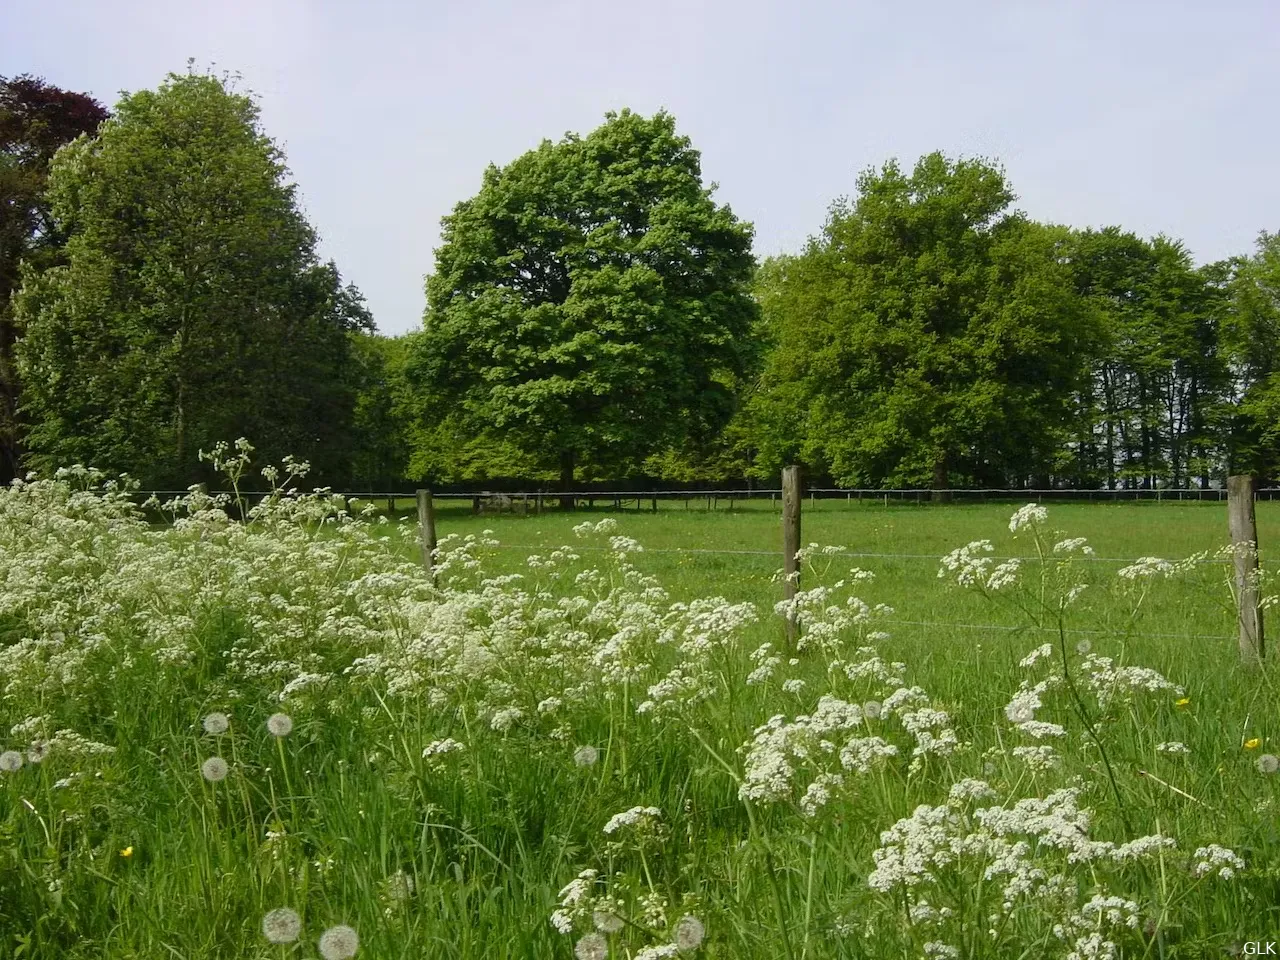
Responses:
[36,119]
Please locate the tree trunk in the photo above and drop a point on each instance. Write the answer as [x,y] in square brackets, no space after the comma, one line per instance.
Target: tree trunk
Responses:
[566,479]
[941,481]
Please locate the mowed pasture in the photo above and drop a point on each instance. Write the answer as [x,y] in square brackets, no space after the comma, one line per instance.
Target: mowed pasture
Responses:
[593,754]
[737,553]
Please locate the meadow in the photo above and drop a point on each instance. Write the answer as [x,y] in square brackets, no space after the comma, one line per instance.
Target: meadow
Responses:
[585,739]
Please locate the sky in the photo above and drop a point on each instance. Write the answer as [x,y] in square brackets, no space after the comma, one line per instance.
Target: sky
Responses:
[1155,116]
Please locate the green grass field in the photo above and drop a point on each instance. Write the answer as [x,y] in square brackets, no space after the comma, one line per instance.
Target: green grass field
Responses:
[435,795]
[691,550]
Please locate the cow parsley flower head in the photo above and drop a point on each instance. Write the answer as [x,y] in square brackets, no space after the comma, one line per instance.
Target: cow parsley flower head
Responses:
[689,933]
[10,761]
[282,925]
[633,817]
[1026,516]
[660,951]
[214,769]
[592,946]
[216,723]
[586,756]
[1146,568]
[1216,859]
[339,943]
[280,724]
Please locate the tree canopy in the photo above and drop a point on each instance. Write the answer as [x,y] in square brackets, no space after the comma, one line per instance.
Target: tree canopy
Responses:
[36,119]
[589,307]
[191,307]
[929,330]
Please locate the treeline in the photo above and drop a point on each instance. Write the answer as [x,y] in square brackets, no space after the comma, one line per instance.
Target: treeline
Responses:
[593,314]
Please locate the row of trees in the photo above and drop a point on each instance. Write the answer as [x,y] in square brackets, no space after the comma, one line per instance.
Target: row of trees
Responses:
[595,314]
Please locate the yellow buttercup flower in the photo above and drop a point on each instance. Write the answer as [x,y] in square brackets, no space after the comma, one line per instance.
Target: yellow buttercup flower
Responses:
[127,852]
[1183,702]
[1252,744]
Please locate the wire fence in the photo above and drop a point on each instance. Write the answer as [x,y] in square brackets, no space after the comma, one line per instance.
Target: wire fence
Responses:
[539,499]
[855,555]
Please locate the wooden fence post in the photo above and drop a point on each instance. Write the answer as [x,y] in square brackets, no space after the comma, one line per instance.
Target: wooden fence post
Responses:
[791,496]
[1244,547]
[427,531]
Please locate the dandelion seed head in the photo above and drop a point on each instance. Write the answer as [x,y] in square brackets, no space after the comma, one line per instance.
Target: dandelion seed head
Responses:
[1269,763]
[216,723]
[1083,647]
[872,709]
[606,921]
[10,761]
[593,946]
[399,886]
[214,769]
[280,724]
[282,925]
[586,756]
[339,943]
[689,933]
[38,751]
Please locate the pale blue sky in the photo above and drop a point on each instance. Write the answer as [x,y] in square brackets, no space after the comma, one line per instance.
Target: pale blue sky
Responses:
[1158,116]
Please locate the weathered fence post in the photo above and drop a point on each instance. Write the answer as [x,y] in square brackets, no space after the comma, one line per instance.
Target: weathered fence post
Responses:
[1244,548]
[791,495]
[427,531]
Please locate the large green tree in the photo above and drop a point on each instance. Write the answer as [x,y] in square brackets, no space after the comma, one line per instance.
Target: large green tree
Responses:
[192,307]
[590,306]
[36,118]
[1251,341]
[929,332]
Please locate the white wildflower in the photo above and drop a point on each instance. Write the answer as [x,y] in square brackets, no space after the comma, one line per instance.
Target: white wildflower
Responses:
[1216,859]
[1028,515]
[1146,568]
[641,816]
[438,748]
